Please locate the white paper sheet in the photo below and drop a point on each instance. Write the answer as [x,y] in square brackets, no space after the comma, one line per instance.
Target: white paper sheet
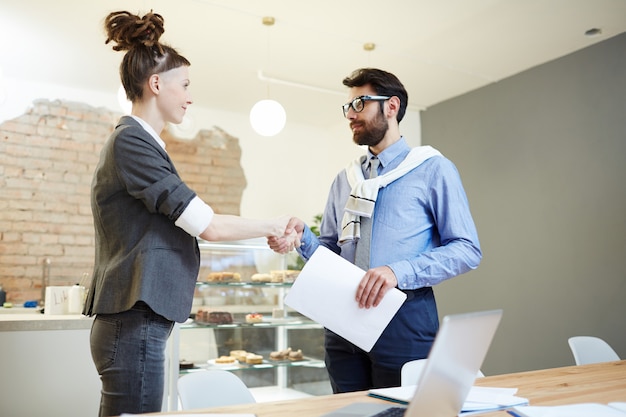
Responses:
[325,292]
[479,399]
[569,410]
[196,415]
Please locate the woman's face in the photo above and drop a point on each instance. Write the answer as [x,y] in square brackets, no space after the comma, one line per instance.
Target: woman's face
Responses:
[174,96]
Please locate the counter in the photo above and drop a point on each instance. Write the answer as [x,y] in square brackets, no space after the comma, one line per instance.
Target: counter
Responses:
[46,366]
[22,321]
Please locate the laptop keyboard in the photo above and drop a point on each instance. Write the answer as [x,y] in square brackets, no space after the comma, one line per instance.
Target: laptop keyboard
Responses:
[391,412]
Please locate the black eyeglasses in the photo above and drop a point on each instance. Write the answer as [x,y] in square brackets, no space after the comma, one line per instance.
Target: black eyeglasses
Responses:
[358,104]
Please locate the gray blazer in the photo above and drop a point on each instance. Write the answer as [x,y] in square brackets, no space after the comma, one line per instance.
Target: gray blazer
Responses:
[136,197]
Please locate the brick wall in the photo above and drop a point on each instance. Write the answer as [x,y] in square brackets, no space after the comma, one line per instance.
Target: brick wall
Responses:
[47,158]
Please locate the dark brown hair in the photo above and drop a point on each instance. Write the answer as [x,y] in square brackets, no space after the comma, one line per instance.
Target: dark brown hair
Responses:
[145,55]
[384,84]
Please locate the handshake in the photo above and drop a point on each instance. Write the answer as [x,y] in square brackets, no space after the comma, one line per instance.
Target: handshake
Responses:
[289,235]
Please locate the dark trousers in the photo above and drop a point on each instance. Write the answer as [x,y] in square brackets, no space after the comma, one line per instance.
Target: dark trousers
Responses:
[409,336]
[128,350]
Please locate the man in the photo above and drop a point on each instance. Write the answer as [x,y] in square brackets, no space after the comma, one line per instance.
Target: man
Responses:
[422,232]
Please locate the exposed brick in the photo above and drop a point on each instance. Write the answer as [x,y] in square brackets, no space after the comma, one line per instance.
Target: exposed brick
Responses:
[47,158]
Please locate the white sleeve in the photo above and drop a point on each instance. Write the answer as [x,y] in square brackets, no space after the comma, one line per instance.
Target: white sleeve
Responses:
[196,217]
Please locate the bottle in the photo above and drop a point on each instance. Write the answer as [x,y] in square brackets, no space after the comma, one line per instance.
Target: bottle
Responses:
[3,296]
[76,298]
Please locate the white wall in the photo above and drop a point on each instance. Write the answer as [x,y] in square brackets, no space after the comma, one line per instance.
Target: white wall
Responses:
[289,173]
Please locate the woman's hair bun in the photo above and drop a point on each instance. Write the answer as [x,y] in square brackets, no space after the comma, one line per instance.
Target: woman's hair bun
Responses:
[128,30]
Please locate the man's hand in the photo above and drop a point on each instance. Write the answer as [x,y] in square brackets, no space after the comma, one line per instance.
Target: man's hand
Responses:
[374,285]
[290,239]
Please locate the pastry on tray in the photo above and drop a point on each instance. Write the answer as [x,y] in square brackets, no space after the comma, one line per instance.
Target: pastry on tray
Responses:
[214,317]
[183,364]
[287,354]
[254,359]
[225,359]
[220,317]
[280,355]
[261,278]
[224,276]
[296,355]
[254,318]
[239,354]
[284,275]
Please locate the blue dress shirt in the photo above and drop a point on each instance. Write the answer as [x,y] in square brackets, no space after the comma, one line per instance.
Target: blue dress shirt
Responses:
[422,225]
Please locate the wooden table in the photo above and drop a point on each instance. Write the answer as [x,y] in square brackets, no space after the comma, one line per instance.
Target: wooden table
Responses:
[600,383]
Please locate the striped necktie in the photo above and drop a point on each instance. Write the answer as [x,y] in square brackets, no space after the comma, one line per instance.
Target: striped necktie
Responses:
[362,255]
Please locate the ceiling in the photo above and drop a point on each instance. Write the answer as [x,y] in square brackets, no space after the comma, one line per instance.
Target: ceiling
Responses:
[439,48]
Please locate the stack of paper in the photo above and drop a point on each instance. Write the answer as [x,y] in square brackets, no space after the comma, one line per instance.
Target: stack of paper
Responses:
[479,399]
[196,415]
[617,409]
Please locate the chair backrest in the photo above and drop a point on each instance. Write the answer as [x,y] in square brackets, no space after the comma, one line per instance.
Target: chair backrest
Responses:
[589,349]
[212,388]
[411,370]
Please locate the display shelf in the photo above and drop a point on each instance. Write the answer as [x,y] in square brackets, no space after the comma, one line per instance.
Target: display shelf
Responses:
[250,284]
[197,343]
[286,322]
[267,364]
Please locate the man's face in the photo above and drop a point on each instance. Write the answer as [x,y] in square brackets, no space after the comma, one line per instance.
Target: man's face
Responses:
[370,125]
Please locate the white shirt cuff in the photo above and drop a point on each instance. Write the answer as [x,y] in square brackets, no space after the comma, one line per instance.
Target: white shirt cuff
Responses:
[196,217]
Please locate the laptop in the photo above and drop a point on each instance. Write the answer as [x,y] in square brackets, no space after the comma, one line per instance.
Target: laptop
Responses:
[453,362]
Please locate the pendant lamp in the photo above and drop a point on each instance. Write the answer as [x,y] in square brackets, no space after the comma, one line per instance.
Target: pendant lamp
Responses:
[268,116]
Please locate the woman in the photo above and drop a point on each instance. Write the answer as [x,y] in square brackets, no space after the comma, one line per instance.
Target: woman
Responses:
[146,222]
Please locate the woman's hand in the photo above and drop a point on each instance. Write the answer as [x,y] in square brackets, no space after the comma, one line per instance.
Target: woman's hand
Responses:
[290,239]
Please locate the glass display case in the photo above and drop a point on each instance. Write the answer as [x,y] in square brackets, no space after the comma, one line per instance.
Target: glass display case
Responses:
[239,322]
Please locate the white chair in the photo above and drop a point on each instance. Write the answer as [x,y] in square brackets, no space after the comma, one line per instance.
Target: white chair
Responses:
[411,370]
[589,349]
[213,388]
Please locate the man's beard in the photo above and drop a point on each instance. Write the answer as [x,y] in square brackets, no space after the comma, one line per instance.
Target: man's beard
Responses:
[372,132]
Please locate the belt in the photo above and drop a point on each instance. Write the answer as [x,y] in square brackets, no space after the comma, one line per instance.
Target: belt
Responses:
[410,294]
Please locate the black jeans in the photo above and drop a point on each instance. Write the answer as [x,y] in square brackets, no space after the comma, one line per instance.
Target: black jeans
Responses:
[128,350]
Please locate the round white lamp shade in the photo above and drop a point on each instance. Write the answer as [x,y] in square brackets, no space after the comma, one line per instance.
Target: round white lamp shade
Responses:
[268,117]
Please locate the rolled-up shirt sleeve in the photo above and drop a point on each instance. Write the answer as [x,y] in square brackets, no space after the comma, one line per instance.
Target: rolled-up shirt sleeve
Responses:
[196,217]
